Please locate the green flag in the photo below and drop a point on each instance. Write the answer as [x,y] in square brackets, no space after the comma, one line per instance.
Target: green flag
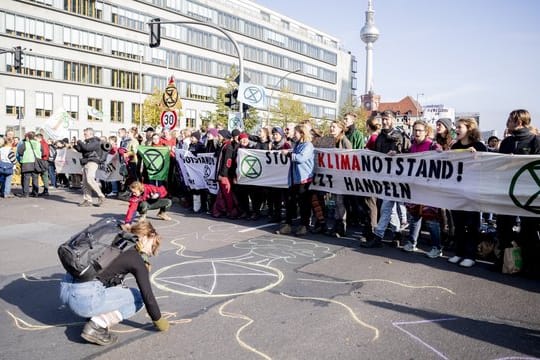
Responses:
[156,161]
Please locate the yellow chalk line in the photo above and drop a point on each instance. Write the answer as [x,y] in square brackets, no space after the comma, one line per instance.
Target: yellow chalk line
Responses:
[249,322]
[24,325]
[382,280]
[341,304]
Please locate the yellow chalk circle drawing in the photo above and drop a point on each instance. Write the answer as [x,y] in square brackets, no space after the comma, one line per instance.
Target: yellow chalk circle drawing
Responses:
[382,280]
[249,322]
[201,278]
[341,304]
[23,325]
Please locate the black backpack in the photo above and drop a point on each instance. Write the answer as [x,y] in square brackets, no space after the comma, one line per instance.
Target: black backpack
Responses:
[87,253]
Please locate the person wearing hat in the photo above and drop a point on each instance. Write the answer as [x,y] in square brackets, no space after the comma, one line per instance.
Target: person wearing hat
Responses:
[443,135]
[149,132]
[277,196]
[225,203]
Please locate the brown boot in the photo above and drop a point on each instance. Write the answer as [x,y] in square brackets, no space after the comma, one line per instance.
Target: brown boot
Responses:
[163,216]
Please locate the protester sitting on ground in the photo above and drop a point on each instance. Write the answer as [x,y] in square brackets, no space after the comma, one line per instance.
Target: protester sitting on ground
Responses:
[467,223]
[107,305]
[146,197]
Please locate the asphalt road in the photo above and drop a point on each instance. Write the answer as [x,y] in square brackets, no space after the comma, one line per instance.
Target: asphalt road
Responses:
[235,290]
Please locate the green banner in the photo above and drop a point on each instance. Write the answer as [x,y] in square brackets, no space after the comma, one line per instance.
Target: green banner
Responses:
[156,161]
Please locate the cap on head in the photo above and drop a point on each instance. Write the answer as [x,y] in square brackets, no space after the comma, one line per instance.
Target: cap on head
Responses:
[447,122]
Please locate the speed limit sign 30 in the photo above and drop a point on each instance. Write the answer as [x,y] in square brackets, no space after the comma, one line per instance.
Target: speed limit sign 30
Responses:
[169,119]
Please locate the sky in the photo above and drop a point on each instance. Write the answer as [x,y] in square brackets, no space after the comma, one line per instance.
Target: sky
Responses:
[472,55]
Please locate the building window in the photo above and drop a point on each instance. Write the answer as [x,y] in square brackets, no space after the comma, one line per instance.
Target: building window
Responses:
[265,16]
[71,105]
[14,102]
[354,64]
[82,73]
[125,79]
[126,49]
[82,39]
[29,28]
[117,111]
[135,112]
[44,104]
[353,83]
[95,109]
[191,118]
[201,92]
[90,8]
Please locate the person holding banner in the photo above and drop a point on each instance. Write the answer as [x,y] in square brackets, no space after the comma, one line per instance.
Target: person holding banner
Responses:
[277,195]
[391,141]
[300,177]
[522,141]
[467,223]
[432,216]
[337,130]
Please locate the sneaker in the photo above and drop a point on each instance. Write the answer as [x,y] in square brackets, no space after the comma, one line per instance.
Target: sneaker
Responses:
[467,263]
[409,247]
[435,252]
[404,226]
[85,203]
[112,194]
[164,216]
[454,259]
[301,230]
[284,230]
[100,201]
[44,193]
[97,335]
[142,217]
[373,242]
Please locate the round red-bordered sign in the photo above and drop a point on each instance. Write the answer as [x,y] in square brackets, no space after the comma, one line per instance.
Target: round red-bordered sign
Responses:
[169,119]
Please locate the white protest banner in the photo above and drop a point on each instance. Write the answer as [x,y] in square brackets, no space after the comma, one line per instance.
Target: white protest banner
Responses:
[56,127]
[68,161]
[252,95]
[110,170]
[262,168]
[199,171]
[458,180]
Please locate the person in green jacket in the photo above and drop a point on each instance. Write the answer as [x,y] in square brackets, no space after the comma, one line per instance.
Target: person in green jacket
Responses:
[354,135]
[28,150]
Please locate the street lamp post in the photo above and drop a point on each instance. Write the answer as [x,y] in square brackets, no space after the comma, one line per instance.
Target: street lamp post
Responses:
[280,88]
[140,93]
[236,46]
[418,103]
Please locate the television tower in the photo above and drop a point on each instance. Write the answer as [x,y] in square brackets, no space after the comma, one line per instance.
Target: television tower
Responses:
[369,34]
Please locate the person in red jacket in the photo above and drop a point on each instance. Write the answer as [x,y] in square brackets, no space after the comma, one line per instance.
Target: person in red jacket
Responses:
[146,197]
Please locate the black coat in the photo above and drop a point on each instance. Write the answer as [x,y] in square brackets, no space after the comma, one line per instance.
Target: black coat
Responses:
[522,142]
[90,150]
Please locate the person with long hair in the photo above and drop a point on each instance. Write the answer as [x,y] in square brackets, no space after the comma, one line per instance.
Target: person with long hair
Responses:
[302,163]
[338,132]
[466,223]
[107,302]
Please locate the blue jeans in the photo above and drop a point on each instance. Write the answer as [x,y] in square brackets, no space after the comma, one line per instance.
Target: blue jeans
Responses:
[52,174]
[92,298]
[388,216]
[5,188]
[415,225]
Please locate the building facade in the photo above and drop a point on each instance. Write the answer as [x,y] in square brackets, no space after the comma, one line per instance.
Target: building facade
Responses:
[91,60]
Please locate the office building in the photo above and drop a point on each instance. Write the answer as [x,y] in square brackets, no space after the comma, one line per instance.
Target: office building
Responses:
[91,59]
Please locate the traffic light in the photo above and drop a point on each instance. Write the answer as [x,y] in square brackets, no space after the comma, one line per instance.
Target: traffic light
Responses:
[155,32]
[230,98]
[17,58]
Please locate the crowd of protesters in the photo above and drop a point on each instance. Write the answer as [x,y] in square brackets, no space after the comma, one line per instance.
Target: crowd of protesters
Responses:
[377,221]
